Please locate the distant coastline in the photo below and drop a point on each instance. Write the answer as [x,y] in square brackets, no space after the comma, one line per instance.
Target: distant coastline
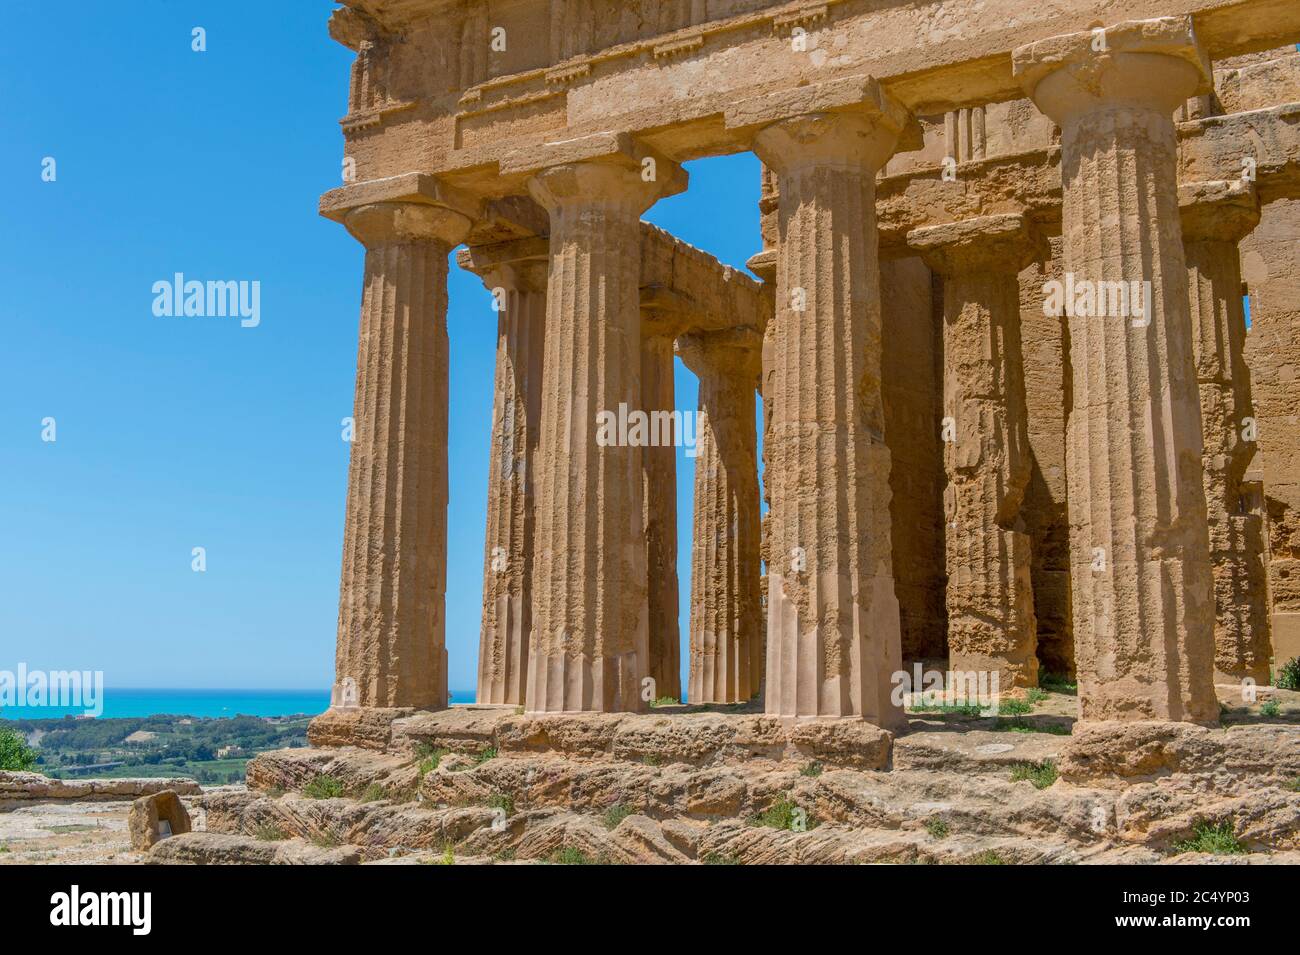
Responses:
[201,703]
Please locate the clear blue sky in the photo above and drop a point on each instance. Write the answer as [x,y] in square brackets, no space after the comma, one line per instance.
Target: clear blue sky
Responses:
[174,433]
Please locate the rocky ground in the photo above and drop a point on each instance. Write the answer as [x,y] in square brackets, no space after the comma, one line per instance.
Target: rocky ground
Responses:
[485,785]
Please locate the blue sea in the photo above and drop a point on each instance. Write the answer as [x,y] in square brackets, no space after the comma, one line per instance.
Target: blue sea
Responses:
[200,703]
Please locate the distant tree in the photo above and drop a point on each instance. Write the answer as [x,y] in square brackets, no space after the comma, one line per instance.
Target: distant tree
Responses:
[15,754]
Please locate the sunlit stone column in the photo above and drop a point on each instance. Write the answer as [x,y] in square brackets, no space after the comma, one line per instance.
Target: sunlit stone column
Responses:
[659,466]
[589,649]
[1142,587]
[515,273]
[833,627]
[991,624]
[1216,216]
[391,642]
[726,626]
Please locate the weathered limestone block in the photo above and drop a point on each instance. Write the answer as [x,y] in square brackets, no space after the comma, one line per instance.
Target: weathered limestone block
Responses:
[1215,217]
[590,643]
[19,789]
[659,470]
[1120,753]
[1143,598]
[211,848]
[391,639]
[726,647]
[1046,347]
[367,727]
[156,817]
[833,628]
[991,624]
[1270,264]
[517,281]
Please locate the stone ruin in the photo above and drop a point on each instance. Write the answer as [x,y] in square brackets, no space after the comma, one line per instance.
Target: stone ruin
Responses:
[1013,421]
[1013,417]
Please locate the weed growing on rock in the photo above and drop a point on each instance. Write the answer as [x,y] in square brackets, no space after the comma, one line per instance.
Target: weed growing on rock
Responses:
[500,800]
[991,857]
[570,855]
[269,832]
[616,814]
[1271,708]
[323,787]
[1041,774]
[937,828]
[1217,840]
[485,755]
[720,858]
[373,793]
[812,769]
[784,814]
[1288,677]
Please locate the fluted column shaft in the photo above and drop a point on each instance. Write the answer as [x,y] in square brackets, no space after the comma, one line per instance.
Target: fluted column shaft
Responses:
[1216,216]
[519,288]
[590,644]
[1143,604]
[833,627]
[726,624]
[659,464]
[991,623]
[391,640]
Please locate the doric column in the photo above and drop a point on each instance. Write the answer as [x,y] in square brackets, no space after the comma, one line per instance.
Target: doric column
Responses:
[991,624]
[589,648]
[726,625]
[1143,603]
[833,627]
[391,642]
[1216,216]
[659,467]
[515,272]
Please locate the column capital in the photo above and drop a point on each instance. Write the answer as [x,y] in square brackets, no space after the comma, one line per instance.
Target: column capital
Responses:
[998,243]
[738,350]
[863,139]
[618,179]
[1154,64]
[1223,209]
[381,223]
[518,263]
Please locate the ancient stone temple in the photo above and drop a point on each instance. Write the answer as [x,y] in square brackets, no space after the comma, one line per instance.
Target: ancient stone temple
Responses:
[1023,331]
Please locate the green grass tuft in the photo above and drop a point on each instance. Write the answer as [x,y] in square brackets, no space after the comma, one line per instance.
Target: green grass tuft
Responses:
[1014,707]
[937,828]
[1058,683]
[500,800]
[991,857]
[323,787]
[1217,840]
[482,757]
[1288,677]
[1293,785]
[783,814]
[373,793]
[430,757]
[1041,774]
[812,769]
[269,832]
[666,701]
[1270,708]
[720,858]
[616,814]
